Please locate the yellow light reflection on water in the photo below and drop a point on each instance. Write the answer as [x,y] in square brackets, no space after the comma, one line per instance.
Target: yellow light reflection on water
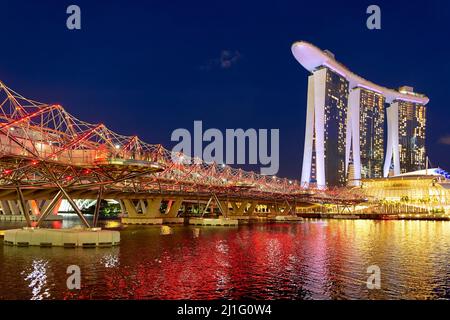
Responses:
[407,252]
[111,224]
[166,230]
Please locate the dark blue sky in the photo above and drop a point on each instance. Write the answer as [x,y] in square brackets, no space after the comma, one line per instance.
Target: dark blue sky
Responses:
[149,67]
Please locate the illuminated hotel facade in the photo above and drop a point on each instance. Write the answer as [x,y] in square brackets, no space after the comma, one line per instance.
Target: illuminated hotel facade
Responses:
[410,119]
[370,120]
[345,123]
[330,155]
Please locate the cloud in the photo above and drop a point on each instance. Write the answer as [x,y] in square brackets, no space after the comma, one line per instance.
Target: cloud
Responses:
[226,60]
[445,140]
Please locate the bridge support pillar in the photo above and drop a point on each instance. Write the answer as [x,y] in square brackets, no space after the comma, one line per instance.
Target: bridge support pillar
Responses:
[224,205]
[14,207]
[235,208]
[174,207]
[123,210]
[5,207]
[34,207]
[245,212]
[251,209]
[150,212]
[277,209]
[44,206]
[130,208]
[142,205]
[153,207]
[239,209]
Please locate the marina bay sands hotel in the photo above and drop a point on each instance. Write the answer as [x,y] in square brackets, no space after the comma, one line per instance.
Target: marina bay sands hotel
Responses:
[345,124]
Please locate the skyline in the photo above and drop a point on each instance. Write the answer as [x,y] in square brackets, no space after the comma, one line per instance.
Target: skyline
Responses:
[225,81]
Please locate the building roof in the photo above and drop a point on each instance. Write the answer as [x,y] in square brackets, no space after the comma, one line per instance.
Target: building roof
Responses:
[311,58]
[427,172]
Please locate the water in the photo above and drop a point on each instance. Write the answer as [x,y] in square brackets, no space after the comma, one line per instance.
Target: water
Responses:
[317,259]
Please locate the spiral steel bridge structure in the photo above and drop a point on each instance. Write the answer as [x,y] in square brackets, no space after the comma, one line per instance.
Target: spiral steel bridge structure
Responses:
[47,154]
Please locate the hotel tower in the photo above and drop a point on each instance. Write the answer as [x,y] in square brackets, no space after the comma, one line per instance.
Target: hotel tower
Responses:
[345,120]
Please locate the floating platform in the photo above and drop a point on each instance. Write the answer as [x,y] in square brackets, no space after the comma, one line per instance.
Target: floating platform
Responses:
[12,218]
[152,221]
[33,218]
[173,220]
[345,216]
[250,219]
[67,238]
[286,219]
[213,222]
[139,220]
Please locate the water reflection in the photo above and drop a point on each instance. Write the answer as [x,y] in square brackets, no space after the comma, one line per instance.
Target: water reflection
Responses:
[196,232]
[38,279]
[110,260]
[311,260]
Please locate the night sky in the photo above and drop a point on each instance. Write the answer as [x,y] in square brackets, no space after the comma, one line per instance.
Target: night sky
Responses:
[147,68]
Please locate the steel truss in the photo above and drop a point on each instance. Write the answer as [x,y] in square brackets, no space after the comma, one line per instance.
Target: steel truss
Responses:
[42,146]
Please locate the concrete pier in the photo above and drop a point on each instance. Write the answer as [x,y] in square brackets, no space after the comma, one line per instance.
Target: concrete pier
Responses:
[12,218]
[173,220]
[250,219]
[143,220]
[345,216]
[33,218]
[213,222]
[287,219]
[67,238]
[152,221]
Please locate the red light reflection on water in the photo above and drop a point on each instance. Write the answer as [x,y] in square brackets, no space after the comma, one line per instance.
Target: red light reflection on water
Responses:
[311,260]
[255,262]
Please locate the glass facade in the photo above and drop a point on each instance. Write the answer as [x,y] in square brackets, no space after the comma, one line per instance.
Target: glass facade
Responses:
[313,162]
[411,132]
[329,155]
[371,124]
[355,124]
[336,100]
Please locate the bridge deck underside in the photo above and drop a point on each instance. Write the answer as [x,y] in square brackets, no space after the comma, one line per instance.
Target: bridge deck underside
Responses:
[49,193]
